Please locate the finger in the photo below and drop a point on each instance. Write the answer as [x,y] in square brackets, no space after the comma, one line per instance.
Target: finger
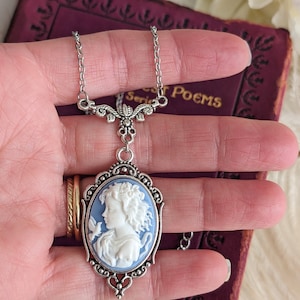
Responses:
[176,274]
[167,143]
[123,60]
[220,204]
[210,204]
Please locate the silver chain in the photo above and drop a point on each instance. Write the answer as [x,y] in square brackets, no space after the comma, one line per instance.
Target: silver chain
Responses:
[185,241]
[157,61]
[125,113]
[81,68]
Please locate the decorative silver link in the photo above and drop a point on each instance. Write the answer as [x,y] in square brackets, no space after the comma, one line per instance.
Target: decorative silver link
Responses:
[185,241]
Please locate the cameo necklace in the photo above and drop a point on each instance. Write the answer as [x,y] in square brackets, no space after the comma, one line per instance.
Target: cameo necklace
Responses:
[122,210]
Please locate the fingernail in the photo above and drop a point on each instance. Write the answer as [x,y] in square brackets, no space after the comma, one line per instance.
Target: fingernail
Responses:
[250,54]
[228,262]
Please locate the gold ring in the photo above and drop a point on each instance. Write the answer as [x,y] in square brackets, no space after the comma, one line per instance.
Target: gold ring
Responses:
[73,208]
[76,208]
[70,207]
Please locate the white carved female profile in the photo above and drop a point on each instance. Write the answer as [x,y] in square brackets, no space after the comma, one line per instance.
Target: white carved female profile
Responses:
[122,235]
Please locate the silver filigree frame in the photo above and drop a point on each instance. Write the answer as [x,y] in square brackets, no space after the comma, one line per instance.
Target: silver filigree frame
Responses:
[120,282]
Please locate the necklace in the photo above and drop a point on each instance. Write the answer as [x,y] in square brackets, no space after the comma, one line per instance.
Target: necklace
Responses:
[122,210]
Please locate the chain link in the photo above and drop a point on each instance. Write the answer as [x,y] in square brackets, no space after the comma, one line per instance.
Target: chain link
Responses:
[185,241]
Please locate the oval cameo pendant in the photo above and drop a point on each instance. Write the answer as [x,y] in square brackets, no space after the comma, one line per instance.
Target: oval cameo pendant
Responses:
[121,225]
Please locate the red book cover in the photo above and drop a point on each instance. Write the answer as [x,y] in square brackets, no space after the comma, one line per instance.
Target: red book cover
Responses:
[256,93]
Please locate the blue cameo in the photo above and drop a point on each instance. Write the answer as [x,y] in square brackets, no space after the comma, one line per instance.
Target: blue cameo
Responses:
[122,225]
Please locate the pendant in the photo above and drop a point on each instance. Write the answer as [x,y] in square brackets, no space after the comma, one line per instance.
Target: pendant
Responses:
[122,210]
[121,224]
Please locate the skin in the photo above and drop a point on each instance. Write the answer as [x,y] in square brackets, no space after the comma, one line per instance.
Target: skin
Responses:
[37,148]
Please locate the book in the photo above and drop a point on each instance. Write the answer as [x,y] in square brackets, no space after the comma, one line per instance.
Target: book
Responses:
[256,93]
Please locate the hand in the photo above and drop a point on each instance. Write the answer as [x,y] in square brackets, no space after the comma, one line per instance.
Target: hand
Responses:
[37,148]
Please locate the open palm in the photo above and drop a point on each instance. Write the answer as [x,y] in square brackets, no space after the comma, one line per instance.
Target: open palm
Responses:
[38,148]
